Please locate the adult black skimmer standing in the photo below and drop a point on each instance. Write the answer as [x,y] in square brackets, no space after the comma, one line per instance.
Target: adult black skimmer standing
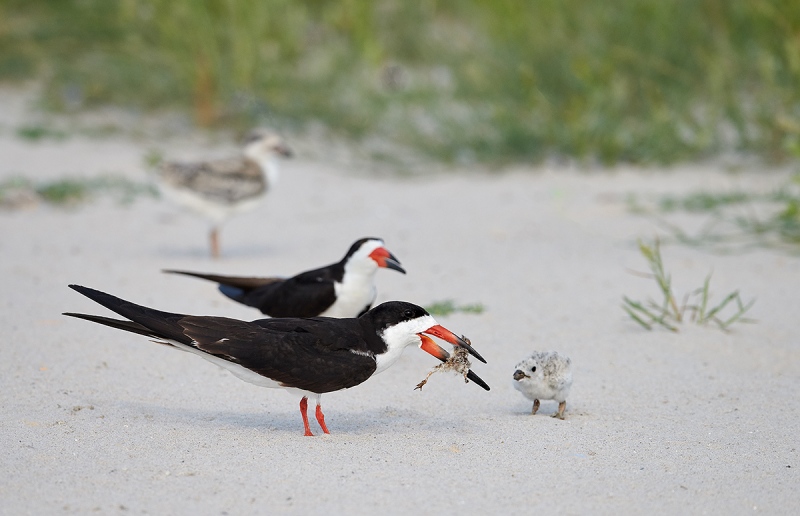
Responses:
[222,188]
[308,357]
[343,289]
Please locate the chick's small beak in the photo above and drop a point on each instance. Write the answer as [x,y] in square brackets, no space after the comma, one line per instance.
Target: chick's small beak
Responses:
[385,259]
[445,334]
[519,375]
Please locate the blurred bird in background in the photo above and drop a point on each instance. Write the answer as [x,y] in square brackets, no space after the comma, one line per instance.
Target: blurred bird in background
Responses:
[221,188]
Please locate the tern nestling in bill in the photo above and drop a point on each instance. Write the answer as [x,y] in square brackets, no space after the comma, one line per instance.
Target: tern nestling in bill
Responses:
[307,357]
[343,289]
[219,189]
[545,375]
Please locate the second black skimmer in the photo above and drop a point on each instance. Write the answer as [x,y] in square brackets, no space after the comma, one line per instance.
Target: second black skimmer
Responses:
[222,188]
[308,357]
[343,289]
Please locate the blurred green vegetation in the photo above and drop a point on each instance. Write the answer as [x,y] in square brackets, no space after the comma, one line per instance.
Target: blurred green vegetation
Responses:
[20,192]
[448,306]
[645,81]
[736,220]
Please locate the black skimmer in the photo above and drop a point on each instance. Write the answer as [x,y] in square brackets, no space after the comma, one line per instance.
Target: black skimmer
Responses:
[308,357]
[222,188]
[343,289]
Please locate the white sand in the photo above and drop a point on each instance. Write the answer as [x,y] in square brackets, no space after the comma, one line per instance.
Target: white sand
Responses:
[97,420]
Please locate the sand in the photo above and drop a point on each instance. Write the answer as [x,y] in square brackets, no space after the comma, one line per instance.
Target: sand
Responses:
[95,420]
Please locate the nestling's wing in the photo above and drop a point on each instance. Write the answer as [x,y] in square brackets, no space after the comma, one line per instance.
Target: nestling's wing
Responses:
[223,181]
[558,372]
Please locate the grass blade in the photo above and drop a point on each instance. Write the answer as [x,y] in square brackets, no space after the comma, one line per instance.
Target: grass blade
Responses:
[651,313]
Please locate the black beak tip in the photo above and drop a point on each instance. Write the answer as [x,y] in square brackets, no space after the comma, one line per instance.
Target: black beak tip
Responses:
[466,345]
[392,263]
[475,353]
[477,379]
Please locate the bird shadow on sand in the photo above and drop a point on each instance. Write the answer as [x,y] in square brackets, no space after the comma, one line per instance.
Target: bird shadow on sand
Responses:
[548,409]
[211,418]
[371,421]
[393,420]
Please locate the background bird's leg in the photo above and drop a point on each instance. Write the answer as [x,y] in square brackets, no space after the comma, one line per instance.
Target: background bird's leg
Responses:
[561,407]
[214,236]
[321,416]
[535,407]
[304,413]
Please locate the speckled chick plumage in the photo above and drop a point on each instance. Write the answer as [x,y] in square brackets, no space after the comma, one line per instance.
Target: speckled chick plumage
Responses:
[544,375]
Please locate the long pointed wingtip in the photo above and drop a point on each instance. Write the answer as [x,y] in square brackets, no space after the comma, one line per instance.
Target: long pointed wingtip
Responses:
[89,292]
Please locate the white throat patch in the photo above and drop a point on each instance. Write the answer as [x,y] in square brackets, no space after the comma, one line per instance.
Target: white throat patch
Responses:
[399,337]
[357,288]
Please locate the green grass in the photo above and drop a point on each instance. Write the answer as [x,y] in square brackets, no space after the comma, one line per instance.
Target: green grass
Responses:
[20,192]
[642,81]
[735,219]
[695,307]
[702,201]
[448,306]
[39,132]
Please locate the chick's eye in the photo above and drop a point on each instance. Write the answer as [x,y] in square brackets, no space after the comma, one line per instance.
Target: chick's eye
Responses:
[408,314]
[533,369]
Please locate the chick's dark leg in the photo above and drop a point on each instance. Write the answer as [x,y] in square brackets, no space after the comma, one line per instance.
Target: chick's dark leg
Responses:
[562,406]
[535,407]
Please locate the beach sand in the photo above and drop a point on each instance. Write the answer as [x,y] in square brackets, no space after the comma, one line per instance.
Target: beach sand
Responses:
[96,420]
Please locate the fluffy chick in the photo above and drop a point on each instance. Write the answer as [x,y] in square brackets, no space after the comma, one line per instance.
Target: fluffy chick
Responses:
[545,375]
